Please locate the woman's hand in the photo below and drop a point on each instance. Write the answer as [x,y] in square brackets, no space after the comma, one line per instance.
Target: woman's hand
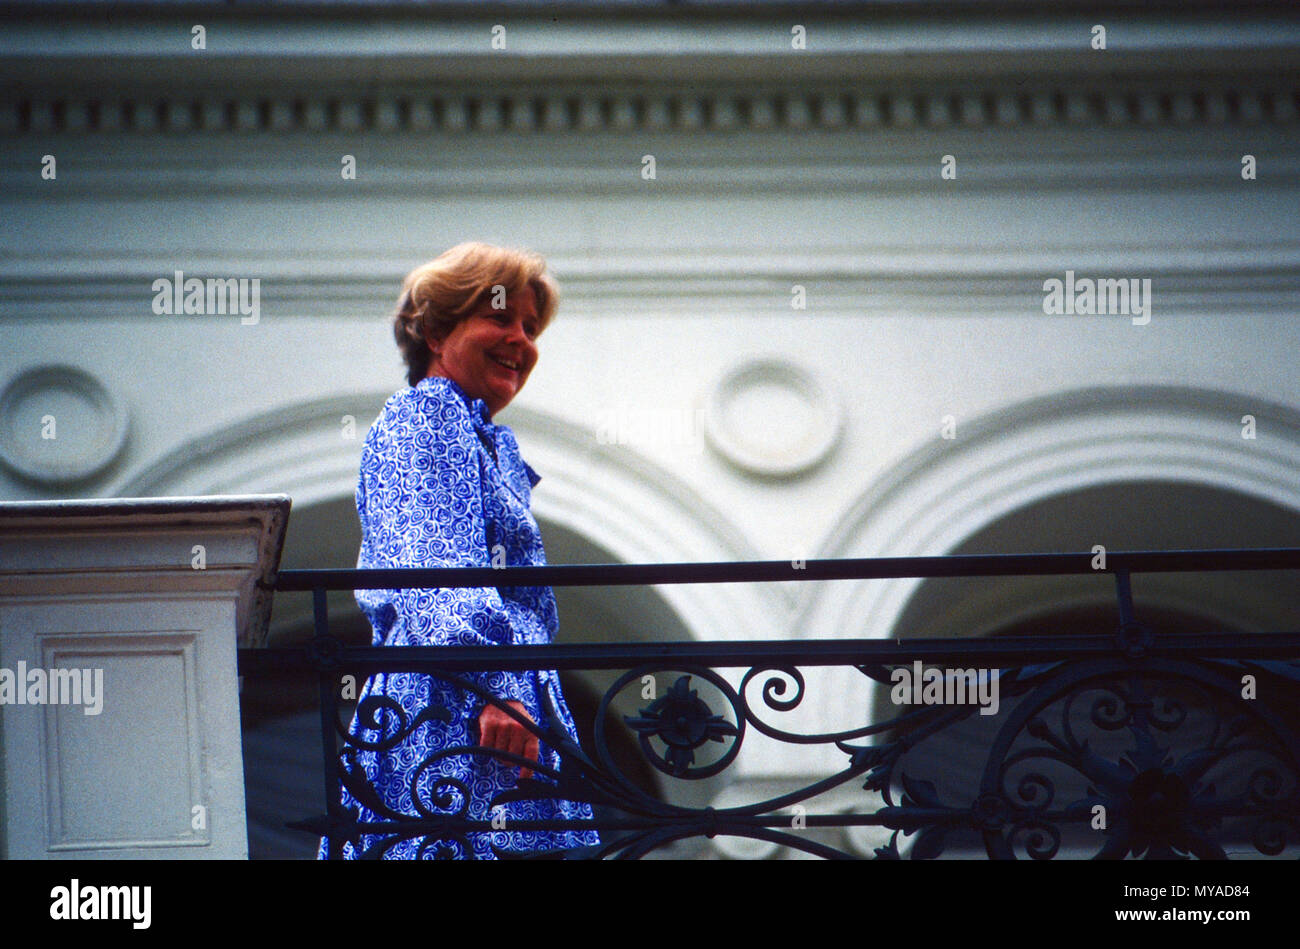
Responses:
[498,730]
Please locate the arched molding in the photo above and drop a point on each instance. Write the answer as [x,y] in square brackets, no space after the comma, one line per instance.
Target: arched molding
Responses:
[625,504]
[948,490]
[310,449]
[936,498]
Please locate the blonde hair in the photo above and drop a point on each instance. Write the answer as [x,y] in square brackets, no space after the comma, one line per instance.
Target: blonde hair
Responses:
[438,295]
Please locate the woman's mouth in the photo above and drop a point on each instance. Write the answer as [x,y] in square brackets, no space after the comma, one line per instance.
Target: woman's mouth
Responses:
[510,364]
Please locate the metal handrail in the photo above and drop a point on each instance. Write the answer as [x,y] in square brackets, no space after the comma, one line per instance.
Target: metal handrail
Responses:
[1039,671]
[962,565]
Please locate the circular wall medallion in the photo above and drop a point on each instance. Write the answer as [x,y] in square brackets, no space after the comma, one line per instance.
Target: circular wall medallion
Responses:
[771,417]
[59,424]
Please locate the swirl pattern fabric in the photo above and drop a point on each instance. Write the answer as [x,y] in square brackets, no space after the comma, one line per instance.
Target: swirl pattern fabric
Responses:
[431,493]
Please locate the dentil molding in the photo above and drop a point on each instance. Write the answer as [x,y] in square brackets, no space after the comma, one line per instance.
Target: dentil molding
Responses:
[845,106]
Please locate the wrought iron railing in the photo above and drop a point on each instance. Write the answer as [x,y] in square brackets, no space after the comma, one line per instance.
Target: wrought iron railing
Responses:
[1125,743]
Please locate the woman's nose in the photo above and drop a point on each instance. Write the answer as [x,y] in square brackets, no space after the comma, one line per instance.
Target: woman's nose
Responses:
[516,332]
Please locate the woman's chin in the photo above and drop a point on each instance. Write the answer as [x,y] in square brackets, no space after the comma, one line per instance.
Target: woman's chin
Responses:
[497,401]
[502,394]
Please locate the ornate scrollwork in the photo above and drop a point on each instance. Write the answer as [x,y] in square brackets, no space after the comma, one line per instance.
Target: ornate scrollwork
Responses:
[684,722]
[1107,758]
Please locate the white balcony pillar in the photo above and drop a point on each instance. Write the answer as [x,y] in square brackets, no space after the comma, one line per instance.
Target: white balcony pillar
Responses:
[128,612]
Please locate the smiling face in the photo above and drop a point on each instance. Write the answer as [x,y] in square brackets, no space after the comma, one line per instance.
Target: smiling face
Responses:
[490,353]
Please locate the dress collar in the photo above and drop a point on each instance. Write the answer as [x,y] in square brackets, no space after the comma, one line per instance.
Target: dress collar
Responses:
[483,423]
[477,407]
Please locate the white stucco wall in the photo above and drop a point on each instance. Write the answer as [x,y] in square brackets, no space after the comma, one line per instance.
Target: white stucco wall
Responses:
[924,294]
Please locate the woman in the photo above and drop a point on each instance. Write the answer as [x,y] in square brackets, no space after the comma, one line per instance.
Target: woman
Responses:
[441,485]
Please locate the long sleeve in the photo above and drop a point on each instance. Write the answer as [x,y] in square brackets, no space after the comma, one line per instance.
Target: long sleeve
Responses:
[420,502]
[441,485]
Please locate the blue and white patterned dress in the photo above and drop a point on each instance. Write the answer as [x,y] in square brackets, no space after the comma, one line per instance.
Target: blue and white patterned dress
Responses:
[430,493]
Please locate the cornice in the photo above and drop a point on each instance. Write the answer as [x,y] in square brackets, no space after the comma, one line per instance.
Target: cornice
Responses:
[117,43]
[1167,101]
[433,68]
